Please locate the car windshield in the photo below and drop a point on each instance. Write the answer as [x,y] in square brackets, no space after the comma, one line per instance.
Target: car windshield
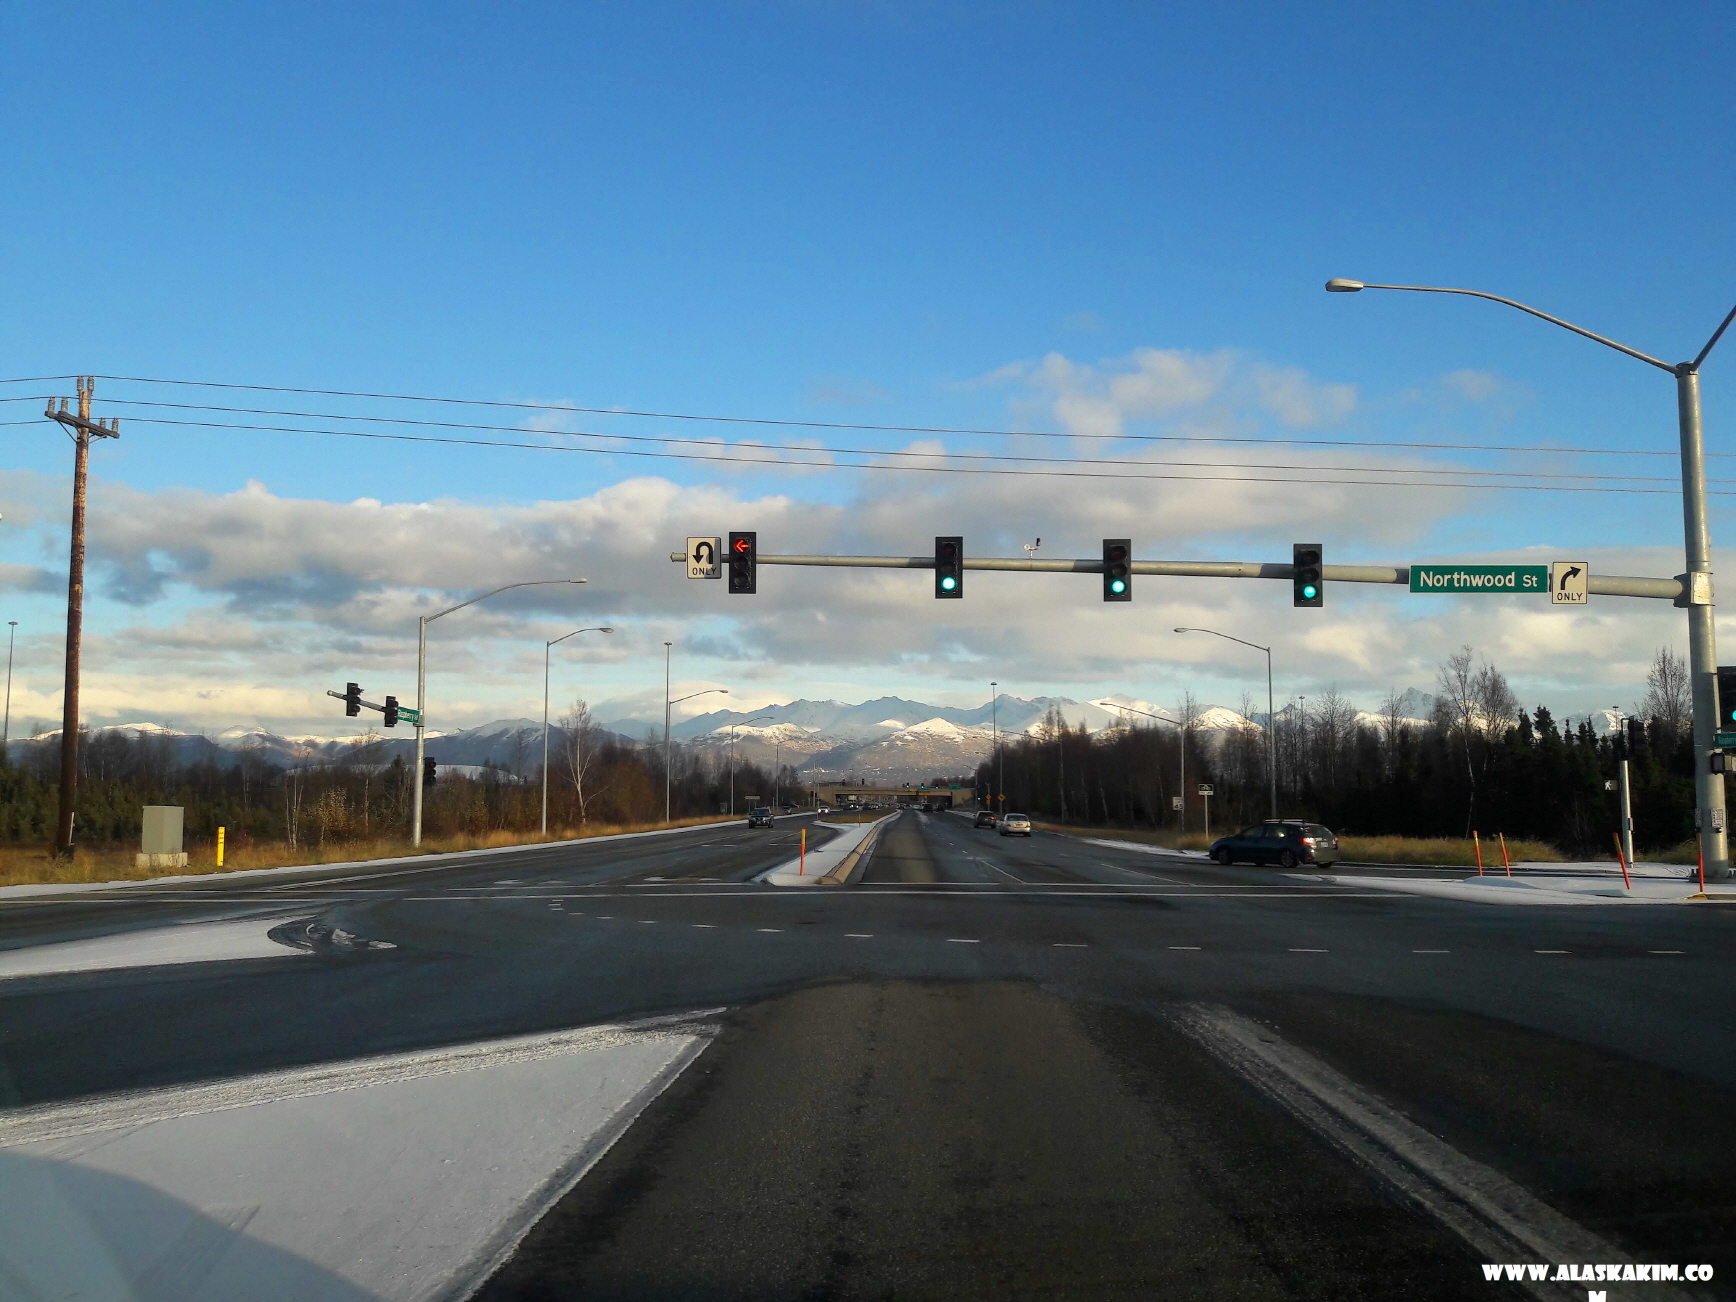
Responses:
[428,984]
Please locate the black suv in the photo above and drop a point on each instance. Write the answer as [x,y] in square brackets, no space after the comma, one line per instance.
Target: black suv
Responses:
[761,817]
[1287,842]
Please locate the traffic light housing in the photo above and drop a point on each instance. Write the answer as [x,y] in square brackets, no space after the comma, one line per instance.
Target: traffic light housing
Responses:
[391,711]
[949,566]
[428,774]
[744,562]
[1118,569]
[352,699]
[1307,576]
[1726,698]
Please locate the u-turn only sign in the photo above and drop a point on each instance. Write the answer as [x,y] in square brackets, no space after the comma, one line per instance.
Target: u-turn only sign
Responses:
[1567,582]
[705,558]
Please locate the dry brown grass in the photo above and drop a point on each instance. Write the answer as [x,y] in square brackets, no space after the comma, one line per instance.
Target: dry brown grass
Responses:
[1359,849]
[21,865]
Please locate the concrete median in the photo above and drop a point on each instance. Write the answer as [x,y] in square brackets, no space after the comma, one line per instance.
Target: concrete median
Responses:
[836,863]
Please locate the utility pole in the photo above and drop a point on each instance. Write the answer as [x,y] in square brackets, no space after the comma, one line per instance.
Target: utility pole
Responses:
[81,430]
[6,734]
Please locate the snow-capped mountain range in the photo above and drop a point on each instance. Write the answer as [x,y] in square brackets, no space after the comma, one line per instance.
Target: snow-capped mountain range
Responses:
[889,738]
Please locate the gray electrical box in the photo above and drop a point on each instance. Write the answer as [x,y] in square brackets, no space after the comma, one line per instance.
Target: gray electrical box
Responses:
[160,839]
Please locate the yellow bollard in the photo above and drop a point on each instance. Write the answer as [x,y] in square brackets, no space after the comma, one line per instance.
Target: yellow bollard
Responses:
[220,847]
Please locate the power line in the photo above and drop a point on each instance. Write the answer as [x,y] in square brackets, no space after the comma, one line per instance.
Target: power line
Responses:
[878,452]
[887,429]
[953,470]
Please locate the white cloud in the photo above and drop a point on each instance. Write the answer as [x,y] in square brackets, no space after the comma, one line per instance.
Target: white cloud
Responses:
[1295,399]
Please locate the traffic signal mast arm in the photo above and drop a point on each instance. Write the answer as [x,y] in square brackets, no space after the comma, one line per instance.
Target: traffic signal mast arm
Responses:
[403,710]
[1608,585]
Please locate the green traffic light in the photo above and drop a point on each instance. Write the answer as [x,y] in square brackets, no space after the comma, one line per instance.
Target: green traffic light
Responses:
[949,583]
[1310,591]
[1118,586]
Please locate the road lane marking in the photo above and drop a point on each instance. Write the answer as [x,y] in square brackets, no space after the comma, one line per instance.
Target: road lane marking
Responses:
[1184,946]
[1071,944]
[1310,951]
[1551,951]
[960,940]
[706,926]
[1431,951]
[1497,1217]
[769,928]
[1666,951]
[858,935]
[647,922]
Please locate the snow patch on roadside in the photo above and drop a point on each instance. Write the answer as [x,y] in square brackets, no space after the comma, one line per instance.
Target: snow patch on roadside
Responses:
[403,1178]
[193,942]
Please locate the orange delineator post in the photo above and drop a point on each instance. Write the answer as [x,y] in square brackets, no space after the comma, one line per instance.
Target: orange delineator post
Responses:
[803,870]
[1622,860]
[1479,846]
[1508,863]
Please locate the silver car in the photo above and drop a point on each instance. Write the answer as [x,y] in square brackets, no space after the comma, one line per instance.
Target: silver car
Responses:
[1015,825]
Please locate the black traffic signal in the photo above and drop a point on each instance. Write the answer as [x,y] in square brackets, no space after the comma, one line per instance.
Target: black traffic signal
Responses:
[1726,698]
[744,562]
[1118,569]
[1306,577]
[352,699]
[949,567]
[428,777]
[1638,741]
[391,711]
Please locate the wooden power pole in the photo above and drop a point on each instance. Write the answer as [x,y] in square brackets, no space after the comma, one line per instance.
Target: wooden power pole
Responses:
[81,430]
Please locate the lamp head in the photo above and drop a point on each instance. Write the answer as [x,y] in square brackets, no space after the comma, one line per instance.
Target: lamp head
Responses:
[1339,286]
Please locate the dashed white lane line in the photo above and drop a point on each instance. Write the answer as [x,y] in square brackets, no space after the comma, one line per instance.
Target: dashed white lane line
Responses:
[706,926]
[1551,951]
[960,940]
[1310,951]
[769,928]
[1431,951]
[1070,944]
[648,922]
[858,935]
[1184,946]
[1666,951]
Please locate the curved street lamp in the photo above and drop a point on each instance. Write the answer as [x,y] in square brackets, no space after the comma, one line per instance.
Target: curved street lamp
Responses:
[547,647]
[422,623]
[1271,718]
[741,723]
[1697,539]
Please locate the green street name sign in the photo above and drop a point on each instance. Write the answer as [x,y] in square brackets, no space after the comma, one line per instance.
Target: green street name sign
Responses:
[1479,578]
[408,715]
[1724,739]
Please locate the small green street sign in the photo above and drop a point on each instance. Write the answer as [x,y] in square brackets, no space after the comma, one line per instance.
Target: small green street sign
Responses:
[408,715]
[1725,739]
[1456,579]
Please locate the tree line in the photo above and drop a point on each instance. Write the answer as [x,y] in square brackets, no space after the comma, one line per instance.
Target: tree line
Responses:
[1480,763]
[594,777]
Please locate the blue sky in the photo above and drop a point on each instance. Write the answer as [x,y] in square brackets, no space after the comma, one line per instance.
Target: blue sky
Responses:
[857,213]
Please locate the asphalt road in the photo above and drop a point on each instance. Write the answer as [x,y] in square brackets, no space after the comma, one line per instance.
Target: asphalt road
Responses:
[998,1067]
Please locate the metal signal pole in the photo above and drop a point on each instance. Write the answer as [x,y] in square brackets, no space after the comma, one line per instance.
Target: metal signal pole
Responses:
[81,430]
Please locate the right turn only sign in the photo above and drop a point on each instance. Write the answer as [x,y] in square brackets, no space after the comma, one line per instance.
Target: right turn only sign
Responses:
[1567,582]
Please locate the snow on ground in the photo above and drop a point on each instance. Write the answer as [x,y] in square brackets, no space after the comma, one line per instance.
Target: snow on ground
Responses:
[192,942]
[392,1179]
[1594,883]
[1144,848]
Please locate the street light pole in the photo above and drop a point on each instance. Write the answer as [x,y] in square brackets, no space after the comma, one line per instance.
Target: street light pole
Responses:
[1182,778]
[1709,811]
[548,647]
[740,723]
[422,623]
[995,715]
[667,703]
[6,733]
[1271,718]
